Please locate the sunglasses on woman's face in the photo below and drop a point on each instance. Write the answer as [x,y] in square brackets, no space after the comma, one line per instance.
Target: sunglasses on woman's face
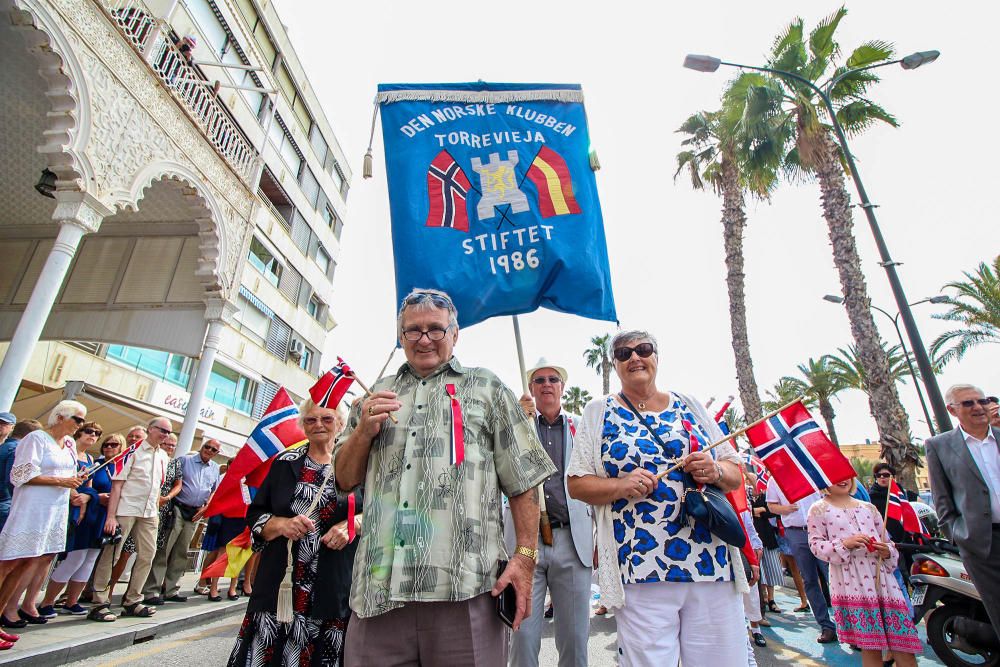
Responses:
[884,475]
[624,353]
[90,431]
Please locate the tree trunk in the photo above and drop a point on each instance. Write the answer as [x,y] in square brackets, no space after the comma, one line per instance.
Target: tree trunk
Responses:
[733,223]
[893,429]
[606,375]
[826,411]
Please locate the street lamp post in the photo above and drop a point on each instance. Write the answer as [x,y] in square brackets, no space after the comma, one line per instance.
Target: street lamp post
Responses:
[906,353]
[711,64]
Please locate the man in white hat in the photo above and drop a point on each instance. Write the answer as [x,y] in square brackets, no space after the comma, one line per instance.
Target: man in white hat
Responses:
[565,566]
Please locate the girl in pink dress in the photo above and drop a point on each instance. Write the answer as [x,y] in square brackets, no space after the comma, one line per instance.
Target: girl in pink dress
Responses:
[869,608]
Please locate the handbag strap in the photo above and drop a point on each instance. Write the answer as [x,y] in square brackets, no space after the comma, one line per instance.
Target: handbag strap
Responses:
[642,420]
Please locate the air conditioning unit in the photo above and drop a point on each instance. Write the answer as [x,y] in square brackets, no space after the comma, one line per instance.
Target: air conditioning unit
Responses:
[296,349]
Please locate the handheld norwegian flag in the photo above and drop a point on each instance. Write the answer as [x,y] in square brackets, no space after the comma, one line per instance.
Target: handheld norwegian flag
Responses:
[901,510]
[277,430]
[119,461]
[329,390]
[761,473]
[795,449]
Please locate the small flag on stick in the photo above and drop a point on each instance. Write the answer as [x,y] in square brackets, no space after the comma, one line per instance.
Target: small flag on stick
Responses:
[330,389]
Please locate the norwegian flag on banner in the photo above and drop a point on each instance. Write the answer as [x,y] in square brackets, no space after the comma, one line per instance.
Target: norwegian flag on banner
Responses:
[795,449]
[277,430]
[447,188]
[901,510]
[329,390]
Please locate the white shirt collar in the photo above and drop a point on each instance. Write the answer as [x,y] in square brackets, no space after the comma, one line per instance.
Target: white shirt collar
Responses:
[989,436]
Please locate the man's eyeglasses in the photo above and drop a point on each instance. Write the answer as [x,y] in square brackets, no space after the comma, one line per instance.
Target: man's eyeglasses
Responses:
[209,448]
[434,335]
[883,475]
[551,379]
[312,421]
[78,419]
[162,430]
[624,353]
[91,431]
[970,402]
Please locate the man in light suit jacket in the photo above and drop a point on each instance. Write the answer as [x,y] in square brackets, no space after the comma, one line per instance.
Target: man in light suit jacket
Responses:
[565,567]
[964,467]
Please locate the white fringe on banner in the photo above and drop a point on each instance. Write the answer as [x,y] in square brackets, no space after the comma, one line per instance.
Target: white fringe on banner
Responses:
[482,96]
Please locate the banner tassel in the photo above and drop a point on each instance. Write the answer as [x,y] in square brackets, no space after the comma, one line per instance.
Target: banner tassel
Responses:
[595,164]
[366,167]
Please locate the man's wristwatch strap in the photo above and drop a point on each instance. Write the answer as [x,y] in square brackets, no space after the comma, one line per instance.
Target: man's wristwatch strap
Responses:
[525,551]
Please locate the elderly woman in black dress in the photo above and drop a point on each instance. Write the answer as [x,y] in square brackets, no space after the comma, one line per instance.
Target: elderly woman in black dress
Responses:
[322,551]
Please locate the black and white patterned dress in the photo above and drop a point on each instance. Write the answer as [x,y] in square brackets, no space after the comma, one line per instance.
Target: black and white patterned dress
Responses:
[307,641]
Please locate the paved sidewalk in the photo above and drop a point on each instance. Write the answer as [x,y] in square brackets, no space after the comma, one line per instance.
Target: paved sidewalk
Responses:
[69,638]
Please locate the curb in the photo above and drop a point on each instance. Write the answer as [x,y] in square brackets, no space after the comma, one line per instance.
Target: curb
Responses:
[69,651]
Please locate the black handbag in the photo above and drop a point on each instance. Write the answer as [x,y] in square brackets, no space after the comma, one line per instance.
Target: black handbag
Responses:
[707,505]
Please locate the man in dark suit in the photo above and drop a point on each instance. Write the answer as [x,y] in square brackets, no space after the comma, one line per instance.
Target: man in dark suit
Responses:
[964,467]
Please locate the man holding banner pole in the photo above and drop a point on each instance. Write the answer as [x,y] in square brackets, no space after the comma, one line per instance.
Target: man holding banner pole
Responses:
[431,539]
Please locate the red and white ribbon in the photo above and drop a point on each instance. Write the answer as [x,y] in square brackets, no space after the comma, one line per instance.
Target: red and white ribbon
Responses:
[457,434]
[351,510]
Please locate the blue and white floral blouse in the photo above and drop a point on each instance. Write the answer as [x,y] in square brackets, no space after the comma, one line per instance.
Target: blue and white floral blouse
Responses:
[654,542]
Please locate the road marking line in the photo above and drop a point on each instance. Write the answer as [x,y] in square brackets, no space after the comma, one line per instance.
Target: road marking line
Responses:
[169,645]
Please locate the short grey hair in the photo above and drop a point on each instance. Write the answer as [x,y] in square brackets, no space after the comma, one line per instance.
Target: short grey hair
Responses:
[137,427]
[66,410]
[306,406]
[152,422]
[623,337]
[421,298]
[949,396]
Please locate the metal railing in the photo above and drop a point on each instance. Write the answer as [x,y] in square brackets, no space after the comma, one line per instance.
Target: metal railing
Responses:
[185,82]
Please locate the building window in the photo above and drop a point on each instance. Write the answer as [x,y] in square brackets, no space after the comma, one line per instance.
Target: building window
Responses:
[251,321]
[266,392]
[333,221]
[232,389]
[305,363]
[172,368]
[310,186]
[265,261]
[322,260]
[315,308]
[318,144]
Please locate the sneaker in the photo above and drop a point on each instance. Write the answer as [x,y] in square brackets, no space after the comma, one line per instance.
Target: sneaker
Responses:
[76,610]
[47,611]
[758,639]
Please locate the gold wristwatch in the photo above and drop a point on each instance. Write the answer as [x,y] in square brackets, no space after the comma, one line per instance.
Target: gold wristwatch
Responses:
[525,551]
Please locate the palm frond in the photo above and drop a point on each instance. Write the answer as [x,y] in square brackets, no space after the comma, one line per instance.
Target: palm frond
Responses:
[852,86]
[789,52]
[859,115]
[870,53]
[822,46]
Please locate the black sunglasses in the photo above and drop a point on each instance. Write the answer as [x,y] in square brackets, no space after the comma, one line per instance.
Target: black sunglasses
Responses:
[993,399]
[644,350]
[79,420]
[91,431]
[211,449]
[551,379]
[883,475]
[439,300]
[163,430]
[970,402]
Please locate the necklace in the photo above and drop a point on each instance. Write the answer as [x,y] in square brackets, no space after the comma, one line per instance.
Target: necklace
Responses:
[642,404]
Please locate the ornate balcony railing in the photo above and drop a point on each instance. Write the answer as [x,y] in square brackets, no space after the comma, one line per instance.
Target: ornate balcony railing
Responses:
[185,82]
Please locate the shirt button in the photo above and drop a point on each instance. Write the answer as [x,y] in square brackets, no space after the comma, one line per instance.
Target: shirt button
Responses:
[423,382]
[420,407]
[405,504]
[414,433]
[408,466]
[402,543]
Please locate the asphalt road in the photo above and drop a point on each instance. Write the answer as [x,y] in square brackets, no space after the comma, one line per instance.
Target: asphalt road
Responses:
[791,641]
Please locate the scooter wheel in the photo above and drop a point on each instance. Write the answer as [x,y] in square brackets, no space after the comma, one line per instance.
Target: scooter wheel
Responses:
[954,650]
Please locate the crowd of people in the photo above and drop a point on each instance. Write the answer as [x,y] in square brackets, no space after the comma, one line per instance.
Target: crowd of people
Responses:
[442,509]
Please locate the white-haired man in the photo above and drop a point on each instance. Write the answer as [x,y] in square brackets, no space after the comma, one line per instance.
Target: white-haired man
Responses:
[133,508]
[964,467]
[431,538]
[565,566]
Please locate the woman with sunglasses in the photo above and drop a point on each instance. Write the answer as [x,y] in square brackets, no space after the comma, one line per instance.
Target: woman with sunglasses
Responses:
[43,476]
[322,549]
[83,538]
[654,567]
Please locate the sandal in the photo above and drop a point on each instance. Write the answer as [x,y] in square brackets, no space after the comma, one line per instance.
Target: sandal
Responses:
[601,611]
[102,613]
[772,606]
[802,608]
[139,610]
[214,598]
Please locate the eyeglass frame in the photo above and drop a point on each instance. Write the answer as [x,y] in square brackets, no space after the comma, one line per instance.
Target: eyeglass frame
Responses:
[326,419]
[438,298]
[543,379]
[91,431]
[214,450]
[428,332]
[162,430]
[883,475]
[633,350]
[970,402]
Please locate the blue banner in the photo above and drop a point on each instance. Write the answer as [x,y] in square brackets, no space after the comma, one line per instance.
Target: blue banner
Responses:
[493,198]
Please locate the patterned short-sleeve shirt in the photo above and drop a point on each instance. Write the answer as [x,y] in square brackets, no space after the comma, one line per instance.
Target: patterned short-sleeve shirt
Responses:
[655,541]
[432,530]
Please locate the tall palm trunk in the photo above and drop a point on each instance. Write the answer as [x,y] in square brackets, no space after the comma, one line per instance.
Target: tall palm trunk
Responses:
[826,411]
[893,427]
[606,375]
[734,221]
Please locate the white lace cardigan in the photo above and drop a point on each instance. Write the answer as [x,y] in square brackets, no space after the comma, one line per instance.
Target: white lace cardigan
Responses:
[586,460]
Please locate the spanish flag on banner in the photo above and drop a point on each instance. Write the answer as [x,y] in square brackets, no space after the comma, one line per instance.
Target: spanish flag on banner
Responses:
[550,175]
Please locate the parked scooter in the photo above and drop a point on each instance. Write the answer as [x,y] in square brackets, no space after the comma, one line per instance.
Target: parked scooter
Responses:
[958,628]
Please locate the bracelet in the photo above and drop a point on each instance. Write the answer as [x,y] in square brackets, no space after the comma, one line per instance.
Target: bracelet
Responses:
[718,469]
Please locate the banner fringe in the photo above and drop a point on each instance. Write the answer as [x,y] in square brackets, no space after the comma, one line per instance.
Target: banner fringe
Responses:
[482,96]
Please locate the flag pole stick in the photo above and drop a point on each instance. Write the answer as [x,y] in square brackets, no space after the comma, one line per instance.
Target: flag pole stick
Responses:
[731,436]
[368,392]
[382,372]
[520,354]
[93,470]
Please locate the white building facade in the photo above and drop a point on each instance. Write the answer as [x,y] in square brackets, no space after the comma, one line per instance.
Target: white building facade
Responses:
[172,215]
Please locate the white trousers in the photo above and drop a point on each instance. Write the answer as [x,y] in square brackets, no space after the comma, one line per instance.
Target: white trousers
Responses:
[698,623]
[751,604]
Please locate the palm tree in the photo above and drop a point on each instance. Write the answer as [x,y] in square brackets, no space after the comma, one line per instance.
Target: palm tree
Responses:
[977,307]
[820,383]
[574,399]
[723,150]
[791,103]
[783,393]
[853,374]
[599,358]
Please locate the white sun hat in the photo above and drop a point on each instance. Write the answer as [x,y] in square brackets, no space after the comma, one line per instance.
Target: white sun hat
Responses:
[544,363]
